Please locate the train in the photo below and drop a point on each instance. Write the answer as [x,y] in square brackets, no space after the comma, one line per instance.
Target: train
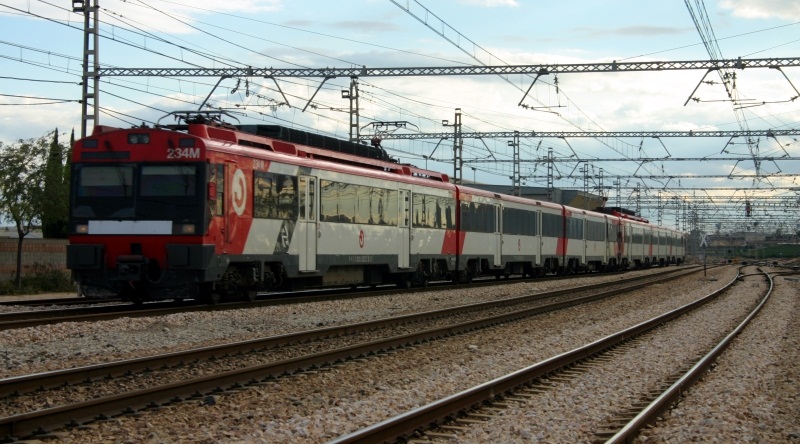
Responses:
[209,210]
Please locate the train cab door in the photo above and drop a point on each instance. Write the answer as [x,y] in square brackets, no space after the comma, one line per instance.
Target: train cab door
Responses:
[307,223]
[405,230]
[498,236]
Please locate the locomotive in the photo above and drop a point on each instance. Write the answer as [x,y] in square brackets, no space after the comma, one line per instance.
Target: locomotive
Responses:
[206,210]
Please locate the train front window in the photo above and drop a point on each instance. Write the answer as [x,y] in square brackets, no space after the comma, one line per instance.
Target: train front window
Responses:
[139,192]
[106,181]
[169,180]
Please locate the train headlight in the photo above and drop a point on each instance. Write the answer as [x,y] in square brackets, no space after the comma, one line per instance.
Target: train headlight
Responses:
[184,229]
[82,229]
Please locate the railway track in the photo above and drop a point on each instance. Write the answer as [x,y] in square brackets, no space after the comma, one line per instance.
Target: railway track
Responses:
[507,398]
[310,358]
[54,301]
[32,318]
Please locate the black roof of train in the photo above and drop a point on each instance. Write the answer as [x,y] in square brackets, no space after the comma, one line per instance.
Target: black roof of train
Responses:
[317,141]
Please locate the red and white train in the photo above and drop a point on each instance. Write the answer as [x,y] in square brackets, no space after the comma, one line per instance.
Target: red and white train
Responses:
[203,209]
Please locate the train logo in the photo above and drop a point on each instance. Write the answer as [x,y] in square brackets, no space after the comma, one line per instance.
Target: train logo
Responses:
[239,192]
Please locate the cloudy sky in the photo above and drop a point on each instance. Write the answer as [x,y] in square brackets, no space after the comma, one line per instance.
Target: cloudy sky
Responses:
[40,66]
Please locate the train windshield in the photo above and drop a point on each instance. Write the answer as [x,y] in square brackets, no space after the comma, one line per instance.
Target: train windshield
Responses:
[139,192]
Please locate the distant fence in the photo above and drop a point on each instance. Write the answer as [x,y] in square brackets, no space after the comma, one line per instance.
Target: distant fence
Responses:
[47,252]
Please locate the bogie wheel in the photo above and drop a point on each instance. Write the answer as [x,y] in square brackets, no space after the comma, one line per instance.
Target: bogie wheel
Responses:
[134,295]
[404,281]
[211,298]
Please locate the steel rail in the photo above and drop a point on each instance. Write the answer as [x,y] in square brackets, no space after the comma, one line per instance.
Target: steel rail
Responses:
[57,301]
[406,424]
[672,395]
[32,423]
[34,318]
[27,383]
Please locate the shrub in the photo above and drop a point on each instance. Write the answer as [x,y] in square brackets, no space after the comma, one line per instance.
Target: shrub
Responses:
[40,278]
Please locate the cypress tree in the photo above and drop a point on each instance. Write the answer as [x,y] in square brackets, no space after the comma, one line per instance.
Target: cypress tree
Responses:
[54,205]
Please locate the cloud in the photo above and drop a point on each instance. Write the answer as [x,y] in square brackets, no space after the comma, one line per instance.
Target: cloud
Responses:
[491,3]
[763,9]
[365,26]
[633,31]
[149,14]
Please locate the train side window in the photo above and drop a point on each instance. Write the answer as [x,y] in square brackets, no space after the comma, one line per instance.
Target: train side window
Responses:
[478,217]
[301,198]
[574,228]
[216,176]
[264,195]
[519,222]
[432,211]
[391,214]
[551,225]
[595,231]
[312,197]
[274,196]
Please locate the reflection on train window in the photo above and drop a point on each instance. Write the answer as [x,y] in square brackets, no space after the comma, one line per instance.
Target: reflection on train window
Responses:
[480,218]
[552,225]
[574,228]
[216,176]
[519,222]
[274,196]
[596,231]
[168,181]
[105,181]
[360,204]
[433,211]
[638,236]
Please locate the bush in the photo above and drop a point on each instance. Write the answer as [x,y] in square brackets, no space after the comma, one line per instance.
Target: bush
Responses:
[39,278]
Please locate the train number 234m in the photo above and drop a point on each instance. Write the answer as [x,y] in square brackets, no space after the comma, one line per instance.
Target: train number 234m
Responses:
[183,153]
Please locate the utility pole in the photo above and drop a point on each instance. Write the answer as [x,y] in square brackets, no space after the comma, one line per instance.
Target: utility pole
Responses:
[600,186]
[516,179]
[658,204]
[550,187]
[457,147]
[91,63]
[352,94]
[638,192]
[458,142]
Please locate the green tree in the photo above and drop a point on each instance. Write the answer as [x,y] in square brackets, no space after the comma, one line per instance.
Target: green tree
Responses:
[55,209]
[22,187]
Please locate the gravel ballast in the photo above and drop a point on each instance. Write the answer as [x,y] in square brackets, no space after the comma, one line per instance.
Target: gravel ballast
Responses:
[320,406]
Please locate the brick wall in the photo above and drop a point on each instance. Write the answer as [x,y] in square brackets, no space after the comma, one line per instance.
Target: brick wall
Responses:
[52,252]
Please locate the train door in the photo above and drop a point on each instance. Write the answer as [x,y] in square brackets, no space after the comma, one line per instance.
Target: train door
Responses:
[307,223]
[498,236]
[620,239]
[216,200]
[405,229]
[539,240]
[586,239]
